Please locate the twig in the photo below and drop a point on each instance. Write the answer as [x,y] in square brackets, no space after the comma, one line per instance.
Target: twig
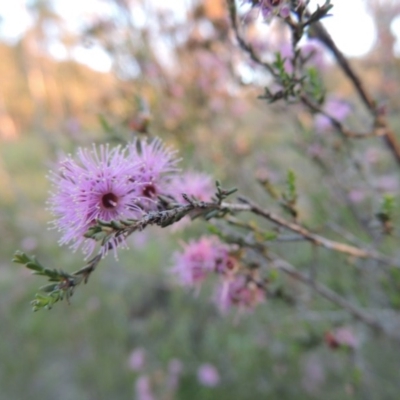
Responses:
[242,43]
[376,131]
[380,123]
[322,290]
[314,238]
[333,297]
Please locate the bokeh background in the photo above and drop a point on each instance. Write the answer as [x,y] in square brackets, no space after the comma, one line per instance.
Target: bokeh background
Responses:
[77,72]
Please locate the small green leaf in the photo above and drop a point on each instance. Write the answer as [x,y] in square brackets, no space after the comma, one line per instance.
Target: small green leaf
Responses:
[270,235]
[214,230]
[386,213]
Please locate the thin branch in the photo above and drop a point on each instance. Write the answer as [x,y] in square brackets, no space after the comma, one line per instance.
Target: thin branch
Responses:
[284,266]
[322,34]
[314,238]
[376,131]
[334,298]
[242,43]
[380,123]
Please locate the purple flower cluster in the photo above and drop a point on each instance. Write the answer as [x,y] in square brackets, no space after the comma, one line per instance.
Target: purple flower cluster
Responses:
[156,166]
[113,184]
[208,256]
[194,184]
[271,8]
[311,53]
[199,258]
[334,107]
[98,185]
[241,291]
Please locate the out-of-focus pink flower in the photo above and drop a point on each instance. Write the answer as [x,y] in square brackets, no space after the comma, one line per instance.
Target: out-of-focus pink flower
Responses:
[199,258]
[387,183]
[143,388]
[175,368]
[286,52]
[346,337]
[208,375]
[137,359]
[217,71]
[238,291]
[356,195]
[313,52]
[194,184]
[343,336]
[271,8]
[338,109]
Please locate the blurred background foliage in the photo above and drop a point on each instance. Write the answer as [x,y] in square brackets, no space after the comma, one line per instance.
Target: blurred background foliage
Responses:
[175,73]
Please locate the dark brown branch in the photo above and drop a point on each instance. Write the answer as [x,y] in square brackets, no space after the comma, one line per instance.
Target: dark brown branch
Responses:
[380,123]
[322,34]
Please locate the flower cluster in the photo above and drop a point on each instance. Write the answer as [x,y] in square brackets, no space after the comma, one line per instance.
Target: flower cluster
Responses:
[196,185]
[156,166]
[334,107]
[271,8]
[115,184]
[98,185]
[239,290]
[311,55]
[341,337]
[208,255]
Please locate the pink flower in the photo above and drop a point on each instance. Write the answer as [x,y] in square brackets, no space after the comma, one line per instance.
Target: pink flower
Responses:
[199,258]
[338,109]
[175,368]
[357,195]
[143,388]
[343,336]
[271,8]
[208,375]
[313,52]
[387,184]
[240,291]
[346,337]
[194,184]
[137,359]
[98,185]
[154,166]
[286,53]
